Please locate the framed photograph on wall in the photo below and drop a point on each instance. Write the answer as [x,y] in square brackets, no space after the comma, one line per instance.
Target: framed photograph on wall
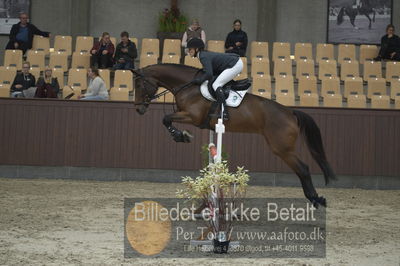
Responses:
[358,21]
[9,13]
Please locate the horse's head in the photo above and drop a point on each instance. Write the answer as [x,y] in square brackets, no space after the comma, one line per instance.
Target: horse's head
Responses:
[145,89]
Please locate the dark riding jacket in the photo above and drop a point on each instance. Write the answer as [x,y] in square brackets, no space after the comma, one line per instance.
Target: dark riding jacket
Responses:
[215,63]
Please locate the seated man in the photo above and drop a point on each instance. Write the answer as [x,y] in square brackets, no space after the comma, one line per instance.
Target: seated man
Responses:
[23,82]
[102,52]
[125,53]
[21,34]
[390,45]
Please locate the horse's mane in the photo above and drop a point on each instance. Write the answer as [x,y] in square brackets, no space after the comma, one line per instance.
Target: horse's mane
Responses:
[185,67]
[166,70]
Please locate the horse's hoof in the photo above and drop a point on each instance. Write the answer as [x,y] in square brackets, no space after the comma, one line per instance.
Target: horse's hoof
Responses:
[318,201]
[187,136]
[178,136]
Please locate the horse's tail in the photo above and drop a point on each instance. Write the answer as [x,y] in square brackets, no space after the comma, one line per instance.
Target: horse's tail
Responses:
[312,134]
[340,16]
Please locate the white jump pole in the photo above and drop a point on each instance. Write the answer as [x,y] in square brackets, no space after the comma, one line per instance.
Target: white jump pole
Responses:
[215,156]
[215,153]
[219,129]
[211,148]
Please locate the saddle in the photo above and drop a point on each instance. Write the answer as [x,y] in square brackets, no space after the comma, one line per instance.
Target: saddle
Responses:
[233,92]
[233,85]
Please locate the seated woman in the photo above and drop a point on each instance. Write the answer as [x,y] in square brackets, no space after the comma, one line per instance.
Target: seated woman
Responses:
[236,41]
[97,87]
[102,52]
[24,83]
[47,86]
[390,46]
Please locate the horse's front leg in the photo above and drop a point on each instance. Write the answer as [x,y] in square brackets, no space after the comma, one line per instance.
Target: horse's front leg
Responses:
[352,21]
[369,19]
[180,117]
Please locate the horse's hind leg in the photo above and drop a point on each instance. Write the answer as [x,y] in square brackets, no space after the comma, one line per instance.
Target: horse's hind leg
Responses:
[283,145]
[181,117]
[303,172]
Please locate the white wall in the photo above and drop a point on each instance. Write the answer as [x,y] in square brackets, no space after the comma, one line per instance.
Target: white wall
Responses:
[301,21]
[279,20]
[140,18]
[137,17]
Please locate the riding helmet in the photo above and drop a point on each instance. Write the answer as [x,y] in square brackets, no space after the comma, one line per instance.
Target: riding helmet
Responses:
[195,43]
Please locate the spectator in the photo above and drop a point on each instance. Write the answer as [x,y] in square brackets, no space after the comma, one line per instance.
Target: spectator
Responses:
[47,86]
[21,34]
[194,31]
[102,52]
[236,41]
[97,87]
[390,45]
[23,81]
[126,53]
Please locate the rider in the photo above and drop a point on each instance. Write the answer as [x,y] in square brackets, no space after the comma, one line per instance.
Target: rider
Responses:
[225,66]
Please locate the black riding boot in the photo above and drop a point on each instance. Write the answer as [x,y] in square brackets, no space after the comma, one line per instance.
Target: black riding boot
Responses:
[221,99]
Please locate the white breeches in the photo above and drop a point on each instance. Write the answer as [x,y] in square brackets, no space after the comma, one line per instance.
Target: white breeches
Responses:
[228,74]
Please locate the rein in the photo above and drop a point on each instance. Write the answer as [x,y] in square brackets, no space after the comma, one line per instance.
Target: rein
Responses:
[174,91]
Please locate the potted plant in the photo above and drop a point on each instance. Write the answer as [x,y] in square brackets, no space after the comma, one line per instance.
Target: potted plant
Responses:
[171,24]
[217,188]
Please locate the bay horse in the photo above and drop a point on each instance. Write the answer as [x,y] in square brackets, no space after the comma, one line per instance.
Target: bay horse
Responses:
[364,7]
[280,125]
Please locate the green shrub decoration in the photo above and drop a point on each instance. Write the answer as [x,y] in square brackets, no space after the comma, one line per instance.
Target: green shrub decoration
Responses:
[231,185]
[171,20]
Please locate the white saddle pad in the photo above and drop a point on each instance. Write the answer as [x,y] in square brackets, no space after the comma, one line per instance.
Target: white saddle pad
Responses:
[234,99]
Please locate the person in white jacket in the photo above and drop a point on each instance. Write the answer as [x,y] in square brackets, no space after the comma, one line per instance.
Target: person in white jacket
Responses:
[97,88]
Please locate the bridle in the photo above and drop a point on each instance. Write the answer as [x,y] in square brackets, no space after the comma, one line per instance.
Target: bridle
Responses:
[147,99]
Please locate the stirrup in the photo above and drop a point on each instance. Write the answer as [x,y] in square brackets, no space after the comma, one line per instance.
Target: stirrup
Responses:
[222,102]
[225,115]
[220,95]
